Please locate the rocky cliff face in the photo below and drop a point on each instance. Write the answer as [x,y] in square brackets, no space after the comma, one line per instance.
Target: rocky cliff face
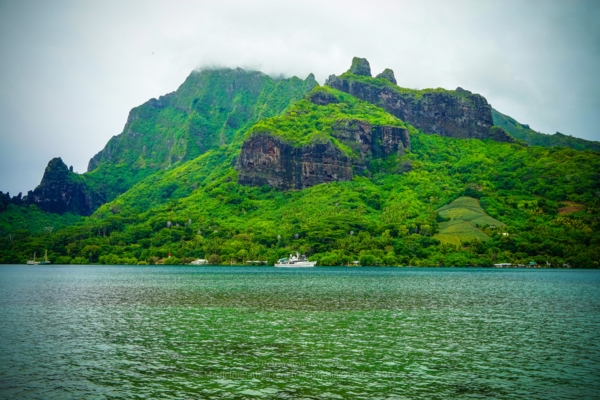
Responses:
[371,141]
[5,200]
[458,113]
[270,160]
[62,190]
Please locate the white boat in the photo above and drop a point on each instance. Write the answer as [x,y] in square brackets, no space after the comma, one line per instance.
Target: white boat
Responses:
[297,261]
[199,261]
[33,262]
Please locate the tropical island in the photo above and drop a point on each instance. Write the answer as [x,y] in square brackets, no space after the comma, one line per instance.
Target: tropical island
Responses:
[237,166]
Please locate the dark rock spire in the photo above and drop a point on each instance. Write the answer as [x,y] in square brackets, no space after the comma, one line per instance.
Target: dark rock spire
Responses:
[360,66]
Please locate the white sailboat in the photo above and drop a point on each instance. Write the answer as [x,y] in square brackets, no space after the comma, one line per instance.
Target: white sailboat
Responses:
[45,260]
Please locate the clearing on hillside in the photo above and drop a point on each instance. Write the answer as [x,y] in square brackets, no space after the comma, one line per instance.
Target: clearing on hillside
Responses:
[570,208]
[466,215]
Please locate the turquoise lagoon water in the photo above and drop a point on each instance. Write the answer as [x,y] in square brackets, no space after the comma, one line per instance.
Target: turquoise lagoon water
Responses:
[322,333]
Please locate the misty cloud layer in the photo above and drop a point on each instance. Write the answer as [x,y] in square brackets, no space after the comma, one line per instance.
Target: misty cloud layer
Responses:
[71,71]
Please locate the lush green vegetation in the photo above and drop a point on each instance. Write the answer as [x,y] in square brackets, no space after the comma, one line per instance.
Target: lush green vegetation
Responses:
[207,111]
[525,133]
[447,201]
[389,218]
[307,122]
[30,220]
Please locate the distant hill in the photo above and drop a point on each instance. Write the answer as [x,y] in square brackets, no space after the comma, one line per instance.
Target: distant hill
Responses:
[525,133]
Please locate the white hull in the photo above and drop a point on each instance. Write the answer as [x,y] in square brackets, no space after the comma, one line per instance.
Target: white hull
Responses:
[33,262]
[302,264]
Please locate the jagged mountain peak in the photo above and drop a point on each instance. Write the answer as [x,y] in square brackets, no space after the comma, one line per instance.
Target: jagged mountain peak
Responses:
[62,190]
[388,74]
[360,66]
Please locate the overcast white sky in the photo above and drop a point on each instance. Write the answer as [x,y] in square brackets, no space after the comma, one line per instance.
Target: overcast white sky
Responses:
[70,71]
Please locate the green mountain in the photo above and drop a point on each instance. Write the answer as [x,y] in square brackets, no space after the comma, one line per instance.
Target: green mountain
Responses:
[341,178]
[206,112]
[525,133]
[199,209]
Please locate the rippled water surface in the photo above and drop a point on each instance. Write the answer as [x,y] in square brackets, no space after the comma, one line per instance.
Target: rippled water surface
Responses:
[324,333]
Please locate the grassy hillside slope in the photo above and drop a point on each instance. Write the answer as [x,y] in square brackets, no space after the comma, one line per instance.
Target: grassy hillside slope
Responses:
[19,221]
[464,219]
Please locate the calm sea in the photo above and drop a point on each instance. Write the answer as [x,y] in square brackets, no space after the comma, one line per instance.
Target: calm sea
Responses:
[322,333]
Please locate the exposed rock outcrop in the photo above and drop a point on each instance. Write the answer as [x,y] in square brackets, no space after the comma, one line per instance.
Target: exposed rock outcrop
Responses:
[322,98]
[5,200]
[498,134]
[459,113]
[270,160]
[360,66]
[62,190]
[371,141]
[387,74]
